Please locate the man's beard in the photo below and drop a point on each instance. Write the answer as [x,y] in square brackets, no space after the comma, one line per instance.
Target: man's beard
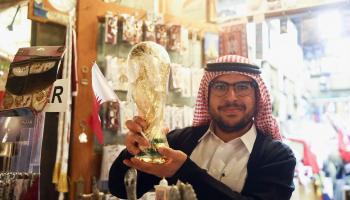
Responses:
[247,120]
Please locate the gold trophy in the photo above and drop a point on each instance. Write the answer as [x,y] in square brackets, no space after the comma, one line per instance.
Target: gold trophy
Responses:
[149,68]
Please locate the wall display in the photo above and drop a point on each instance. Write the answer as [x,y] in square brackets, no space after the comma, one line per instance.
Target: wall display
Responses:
[175,77]
[112,116]
[109,154]
[21,139]
[132,29]
[111,29]
[149,31]
[188,115]
[233,40]
[211,46]
[127,111]
[19,185]
[162,34]
[180,79]
[196,53]
[174,42]
[186,77]
[177,118]
[116,73]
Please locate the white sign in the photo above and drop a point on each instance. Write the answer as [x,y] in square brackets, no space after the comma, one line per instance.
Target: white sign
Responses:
[58,98]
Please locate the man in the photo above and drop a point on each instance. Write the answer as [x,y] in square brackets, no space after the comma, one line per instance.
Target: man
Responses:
[232,151]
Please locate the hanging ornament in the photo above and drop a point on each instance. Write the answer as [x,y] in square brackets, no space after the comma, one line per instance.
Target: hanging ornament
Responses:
[82,136]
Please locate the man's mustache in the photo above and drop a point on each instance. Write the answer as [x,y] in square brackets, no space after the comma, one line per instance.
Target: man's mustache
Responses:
[233,105]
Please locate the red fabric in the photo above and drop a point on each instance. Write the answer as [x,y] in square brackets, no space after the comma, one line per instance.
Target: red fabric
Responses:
[95,121]
[101,93]
[263,118]
[33,192]
[309,158]
[2,94]
[343,141]
[344,144]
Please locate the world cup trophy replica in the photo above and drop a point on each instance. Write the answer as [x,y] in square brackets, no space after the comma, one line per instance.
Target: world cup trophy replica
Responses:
[149,68]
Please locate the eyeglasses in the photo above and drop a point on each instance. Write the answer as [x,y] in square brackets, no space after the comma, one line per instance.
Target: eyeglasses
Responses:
[242,88]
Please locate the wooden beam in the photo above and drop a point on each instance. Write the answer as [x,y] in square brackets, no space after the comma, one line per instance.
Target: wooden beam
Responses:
[82,154]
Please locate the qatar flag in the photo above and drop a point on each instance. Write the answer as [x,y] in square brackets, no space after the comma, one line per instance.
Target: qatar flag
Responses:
[101,93]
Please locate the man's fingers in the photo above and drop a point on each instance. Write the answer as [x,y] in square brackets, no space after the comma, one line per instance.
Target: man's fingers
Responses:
[140,140]
[134,141]
[133,149]
[142,122]
[133,126]
[165,131]
[167,152]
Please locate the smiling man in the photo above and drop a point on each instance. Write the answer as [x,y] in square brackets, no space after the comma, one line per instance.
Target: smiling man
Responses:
[232,151]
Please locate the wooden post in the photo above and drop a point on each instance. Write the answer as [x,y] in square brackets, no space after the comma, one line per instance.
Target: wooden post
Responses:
[82,157]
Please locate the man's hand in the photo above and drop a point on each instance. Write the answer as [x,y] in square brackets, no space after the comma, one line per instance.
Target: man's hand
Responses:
[134,139]
[175,159]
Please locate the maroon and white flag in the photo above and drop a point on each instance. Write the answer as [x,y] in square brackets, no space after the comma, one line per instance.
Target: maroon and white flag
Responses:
[102,92]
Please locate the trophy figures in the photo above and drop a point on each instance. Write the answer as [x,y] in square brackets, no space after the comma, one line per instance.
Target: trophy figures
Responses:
[149,68]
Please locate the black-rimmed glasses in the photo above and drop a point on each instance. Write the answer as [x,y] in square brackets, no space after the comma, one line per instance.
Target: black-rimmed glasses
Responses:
[241,89]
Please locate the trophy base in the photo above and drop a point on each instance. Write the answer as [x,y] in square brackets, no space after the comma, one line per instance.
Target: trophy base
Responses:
[151,156]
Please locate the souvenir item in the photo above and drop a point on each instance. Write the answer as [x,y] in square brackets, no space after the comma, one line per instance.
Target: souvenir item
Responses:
[149,31]
[177,117]
[161,34]
[116,73]
[196,51]
[126,112]
[130,180]
[162,190]
[174,42]
[112,116]
[111,29]
[132,29]
[211,46]
[180,79]
[149,68]
[128,24]
[109,154]
[233,40]
[138,32]
[175,77]
[184,39]
[31,76]
[188,115]
[186,82]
